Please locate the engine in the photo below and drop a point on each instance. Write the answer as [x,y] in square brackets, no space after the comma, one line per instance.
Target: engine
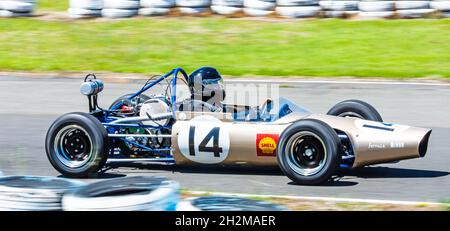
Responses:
[155,106]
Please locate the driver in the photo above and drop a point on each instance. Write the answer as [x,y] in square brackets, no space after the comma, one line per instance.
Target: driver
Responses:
[206,85]
[208,94]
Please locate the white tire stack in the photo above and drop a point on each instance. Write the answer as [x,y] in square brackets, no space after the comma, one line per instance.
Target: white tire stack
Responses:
[16,8]
[125,194]
[339,8]
[156,7]
[85,8]
[218,203]
[376,9]
[227,7]
[298,8]
[259,8]
[32,193]
[192,7]
[442,6]
[413,9]
[120,8]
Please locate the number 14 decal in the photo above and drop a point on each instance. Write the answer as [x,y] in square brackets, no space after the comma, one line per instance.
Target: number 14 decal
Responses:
[213,134]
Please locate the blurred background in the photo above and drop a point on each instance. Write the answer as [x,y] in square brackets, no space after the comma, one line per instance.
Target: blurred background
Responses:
[63,35]
[394,54]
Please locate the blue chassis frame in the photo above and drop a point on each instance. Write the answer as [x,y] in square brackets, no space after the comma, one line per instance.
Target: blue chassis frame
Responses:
[112,128]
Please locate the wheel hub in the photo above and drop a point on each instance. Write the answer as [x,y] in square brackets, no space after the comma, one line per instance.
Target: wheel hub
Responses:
[307,153]
[73,146]
[76,144]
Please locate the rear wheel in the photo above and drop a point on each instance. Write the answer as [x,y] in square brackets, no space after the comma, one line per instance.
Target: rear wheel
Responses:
[356,109]
[308,152]
[77,145]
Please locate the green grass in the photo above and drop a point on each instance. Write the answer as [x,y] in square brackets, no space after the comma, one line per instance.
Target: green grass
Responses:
[379,48]
[446,204]
[53,5]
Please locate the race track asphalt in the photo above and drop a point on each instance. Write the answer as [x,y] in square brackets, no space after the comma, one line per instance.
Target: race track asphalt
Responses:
[29,105]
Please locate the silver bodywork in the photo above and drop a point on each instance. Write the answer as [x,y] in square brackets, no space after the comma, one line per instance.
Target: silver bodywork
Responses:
[372,142]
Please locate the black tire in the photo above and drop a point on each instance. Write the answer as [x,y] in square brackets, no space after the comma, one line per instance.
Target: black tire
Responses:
[355,108]
[292,152]
[93,140]
[142,98]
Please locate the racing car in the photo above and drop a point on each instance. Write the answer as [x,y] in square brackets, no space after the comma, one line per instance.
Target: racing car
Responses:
[200,129]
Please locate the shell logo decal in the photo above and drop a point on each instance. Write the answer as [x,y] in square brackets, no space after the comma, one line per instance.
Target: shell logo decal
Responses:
[266,144]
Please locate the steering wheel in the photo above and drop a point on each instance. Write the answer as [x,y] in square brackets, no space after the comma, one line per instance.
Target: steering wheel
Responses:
[265,109]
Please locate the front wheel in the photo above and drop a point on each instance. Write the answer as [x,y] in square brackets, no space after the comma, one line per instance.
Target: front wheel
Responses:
[308,152]
[77,145]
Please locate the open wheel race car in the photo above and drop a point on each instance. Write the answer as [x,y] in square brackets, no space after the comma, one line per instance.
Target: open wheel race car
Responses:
[202,130]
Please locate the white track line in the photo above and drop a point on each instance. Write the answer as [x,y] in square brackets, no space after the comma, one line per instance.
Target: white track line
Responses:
[334,199]
[268,81]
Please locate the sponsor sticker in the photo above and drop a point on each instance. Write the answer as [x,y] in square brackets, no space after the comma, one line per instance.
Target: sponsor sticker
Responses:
[266,144]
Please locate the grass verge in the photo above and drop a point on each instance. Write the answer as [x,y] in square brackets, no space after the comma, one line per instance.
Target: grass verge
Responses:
[373,48]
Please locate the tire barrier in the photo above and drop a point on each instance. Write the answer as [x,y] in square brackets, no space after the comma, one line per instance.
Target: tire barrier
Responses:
[298,11]
[120,8]
[192,10]
[259,8]
[227,7]
[17,8]
[413,9]
[193,3]
[440,5]
[298,8]
[138,193]
[376,6]
[218,203]
[85,8]
[443,6]
[376,9]
[297,2]
[414,13]
[156,7]
[339,5]
[340,14]
[33,193]
[153,11]
[192,7]
[339,8]
[376,14]
[408,5]
[78,13]
[157,3]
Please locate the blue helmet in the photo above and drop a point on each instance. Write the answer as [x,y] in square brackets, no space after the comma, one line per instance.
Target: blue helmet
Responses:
[206,84]
[205,76]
